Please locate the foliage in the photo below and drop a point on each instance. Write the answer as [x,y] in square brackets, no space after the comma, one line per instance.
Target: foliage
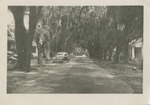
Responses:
[98,29]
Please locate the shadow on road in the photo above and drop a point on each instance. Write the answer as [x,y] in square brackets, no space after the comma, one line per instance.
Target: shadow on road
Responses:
[81,75]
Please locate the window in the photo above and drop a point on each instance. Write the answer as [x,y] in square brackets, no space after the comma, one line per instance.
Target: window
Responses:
[137,52]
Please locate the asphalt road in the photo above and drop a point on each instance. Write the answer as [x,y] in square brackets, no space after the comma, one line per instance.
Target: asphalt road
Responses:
[80,75]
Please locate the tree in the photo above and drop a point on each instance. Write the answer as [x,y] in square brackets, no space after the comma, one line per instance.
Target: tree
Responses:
[128,24]
[20,34]
[23,38]
[132,19]
[30,35]
[97,29]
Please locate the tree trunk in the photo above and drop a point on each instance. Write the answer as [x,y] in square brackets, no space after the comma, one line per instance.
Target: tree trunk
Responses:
[100,53]
[30,35]
[126,45]
[118,50]
[105,54]
[110,53]
[126,52]
[20,35]
[39,60]
[48,50]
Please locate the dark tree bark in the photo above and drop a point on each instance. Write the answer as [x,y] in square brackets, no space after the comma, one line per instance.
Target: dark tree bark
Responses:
[20,32]
[30,35]
[100,52]
[126,52]
[105,54]
[126,44]
[110,53]
[47,52]
[39,60]
[118,50]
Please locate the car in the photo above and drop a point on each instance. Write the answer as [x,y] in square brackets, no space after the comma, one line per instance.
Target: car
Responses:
[72,55]
[11,57]
[61,57]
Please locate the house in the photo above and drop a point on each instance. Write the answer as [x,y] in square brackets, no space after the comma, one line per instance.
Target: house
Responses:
[136,49]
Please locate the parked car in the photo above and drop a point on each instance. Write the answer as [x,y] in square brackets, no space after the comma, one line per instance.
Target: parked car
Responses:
[72,55]
[61,57]
[11,57]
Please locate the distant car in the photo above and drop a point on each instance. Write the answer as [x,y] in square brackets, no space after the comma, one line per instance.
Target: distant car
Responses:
[61,57]
[84,55]
[72,55]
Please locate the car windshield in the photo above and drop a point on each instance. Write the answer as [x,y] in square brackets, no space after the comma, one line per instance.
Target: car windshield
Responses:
[62,54]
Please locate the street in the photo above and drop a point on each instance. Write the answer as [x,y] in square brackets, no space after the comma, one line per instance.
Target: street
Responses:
[80,75]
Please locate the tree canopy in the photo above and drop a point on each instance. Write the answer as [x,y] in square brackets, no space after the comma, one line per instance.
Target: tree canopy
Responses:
[99,29]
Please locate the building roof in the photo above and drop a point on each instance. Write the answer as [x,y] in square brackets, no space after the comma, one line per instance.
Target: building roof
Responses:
[137,43]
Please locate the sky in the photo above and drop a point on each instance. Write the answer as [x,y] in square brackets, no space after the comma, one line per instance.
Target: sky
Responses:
[10,20]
